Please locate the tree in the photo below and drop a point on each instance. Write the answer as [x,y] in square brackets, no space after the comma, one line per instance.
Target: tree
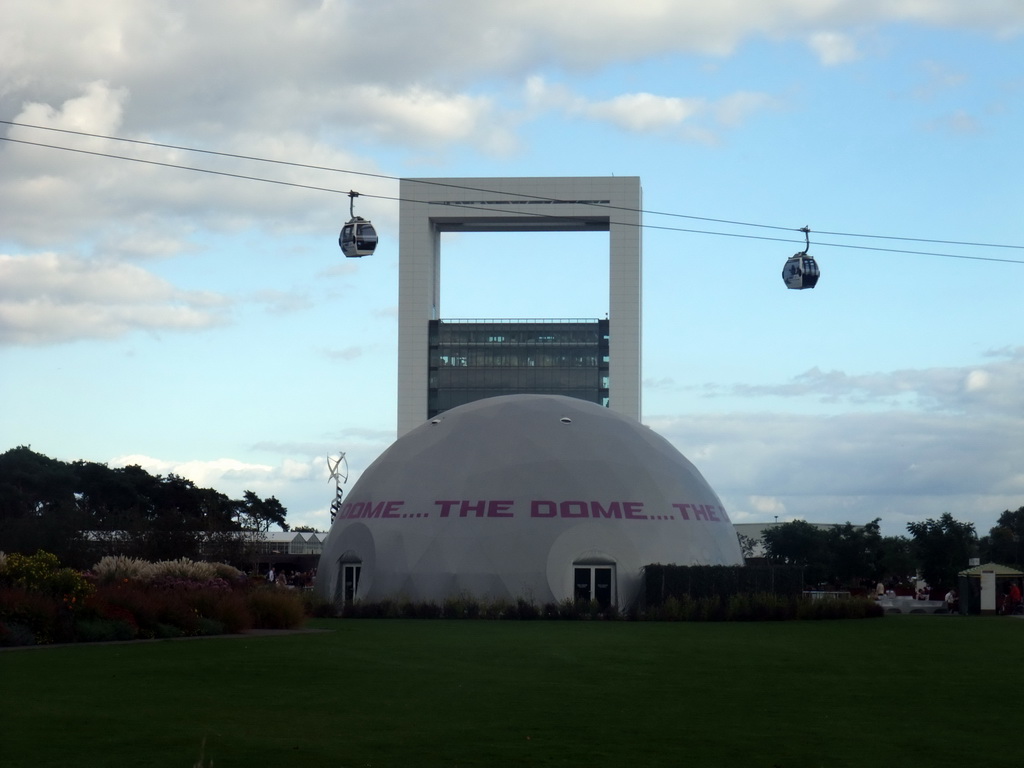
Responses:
[38,505]
[895,562]
[254,517]
[942,548]
[257,515]
[801,544]
[853,553]
[80,509]
[842,555]
[1004,541]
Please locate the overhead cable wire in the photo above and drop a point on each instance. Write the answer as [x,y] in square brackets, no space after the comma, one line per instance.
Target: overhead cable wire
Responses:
[368,174]
[469,206]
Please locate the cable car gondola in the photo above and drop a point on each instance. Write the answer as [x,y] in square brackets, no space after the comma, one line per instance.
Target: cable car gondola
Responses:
[801,270]
[358,237]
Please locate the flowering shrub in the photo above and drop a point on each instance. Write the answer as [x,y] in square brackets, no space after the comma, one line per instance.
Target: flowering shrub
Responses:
[184,569]
[189,585]
[171,574]
[125,598]
[41,572]
[119,568]
[230,574]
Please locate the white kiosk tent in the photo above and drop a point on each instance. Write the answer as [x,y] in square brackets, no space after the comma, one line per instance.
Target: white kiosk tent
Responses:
[979,586]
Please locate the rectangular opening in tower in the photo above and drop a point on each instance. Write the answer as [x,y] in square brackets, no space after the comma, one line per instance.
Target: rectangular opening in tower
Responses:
[519,275]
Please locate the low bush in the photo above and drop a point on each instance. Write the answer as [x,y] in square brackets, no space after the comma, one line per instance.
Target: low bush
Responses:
[736,607]
[210,627]
[522,610]
[164,631]
[38,613]
[125,601]
[104,630]
[275,608]
[14,634]
[229,609]
[318,607]
[461,607]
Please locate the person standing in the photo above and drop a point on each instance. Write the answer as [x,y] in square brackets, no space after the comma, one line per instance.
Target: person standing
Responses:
[1013,598]
[950,600]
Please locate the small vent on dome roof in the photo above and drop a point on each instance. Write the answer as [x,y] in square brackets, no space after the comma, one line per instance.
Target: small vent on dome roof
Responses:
[565,420]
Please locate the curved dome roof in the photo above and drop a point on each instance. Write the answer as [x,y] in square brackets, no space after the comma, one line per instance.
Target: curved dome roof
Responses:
[504,497]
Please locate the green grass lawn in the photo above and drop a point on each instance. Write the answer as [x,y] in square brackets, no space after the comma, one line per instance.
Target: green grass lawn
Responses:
[900,691]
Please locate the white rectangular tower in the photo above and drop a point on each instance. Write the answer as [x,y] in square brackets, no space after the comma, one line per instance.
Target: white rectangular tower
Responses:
[586,204]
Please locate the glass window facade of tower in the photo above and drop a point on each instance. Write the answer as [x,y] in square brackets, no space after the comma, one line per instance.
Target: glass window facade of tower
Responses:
[474,359]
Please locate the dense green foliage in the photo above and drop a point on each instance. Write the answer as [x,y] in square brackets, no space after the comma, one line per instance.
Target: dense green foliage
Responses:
[891,692]
[700,581]
[943,548]
[50,504]
[738,606]
[1005,542]
[840,555]
[858,557]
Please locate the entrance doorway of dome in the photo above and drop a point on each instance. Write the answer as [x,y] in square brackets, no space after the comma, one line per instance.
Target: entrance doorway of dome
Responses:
[349,581]
[594,582]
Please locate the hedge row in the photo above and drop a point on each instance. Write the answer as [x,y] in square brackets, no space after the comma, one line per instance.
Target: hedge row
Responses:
[696,582]
[739,607]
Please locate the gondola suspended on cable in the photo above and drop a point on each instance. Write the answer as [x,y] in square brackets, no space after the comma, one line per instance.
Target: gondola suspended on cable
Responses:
[358,237]
[801,270]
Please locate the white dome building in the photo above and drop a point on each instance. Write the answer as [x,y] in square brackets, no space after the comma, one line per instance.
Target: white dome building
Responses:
[540,497]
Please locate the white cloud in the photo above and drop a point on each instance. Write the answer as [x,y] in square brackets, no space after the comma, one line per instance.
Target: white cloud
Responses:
[978,380]
[98,110]
[959,122]
[348,85]
[207,54]
[938,78]
[732,110]
[51,298]
[282,302]
[648,113]
[897,466]
[417,114]
[834,48]
[229,476]
[997,387]
[643,112]
[303,484]
[339,74]
[346,353]
[148,208]
[953,446]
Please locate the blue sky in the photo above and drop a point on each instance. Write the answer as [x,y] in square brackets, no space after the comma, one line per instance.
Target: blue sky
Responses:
[209,326]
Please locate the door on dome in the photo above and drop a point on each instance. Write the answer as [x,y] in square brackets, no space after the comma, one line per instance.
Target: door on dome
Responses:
[350,581]
[594,582]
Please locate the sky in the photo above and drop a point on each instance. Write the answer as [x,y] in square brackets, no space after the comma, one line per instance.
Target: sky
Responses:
[204,322]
